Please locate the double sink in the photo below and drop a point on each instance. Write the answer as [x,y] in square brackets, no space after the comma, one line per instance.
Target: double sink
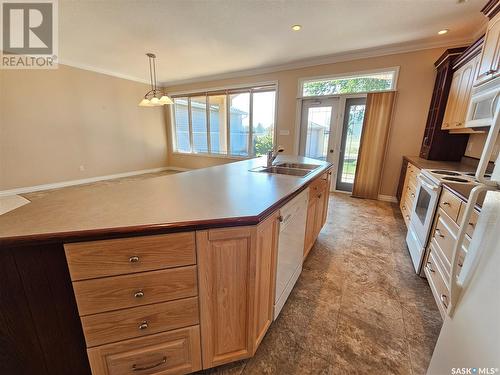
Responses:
[290,169]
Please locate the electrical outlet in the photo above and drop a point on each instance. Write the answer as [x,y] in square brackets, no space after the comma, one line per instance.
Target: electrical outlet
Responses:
[82,168]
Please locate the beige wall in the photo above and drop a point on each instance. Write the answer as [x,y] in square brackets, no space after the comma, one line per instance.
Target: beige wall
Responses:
[54,121]
[416,80]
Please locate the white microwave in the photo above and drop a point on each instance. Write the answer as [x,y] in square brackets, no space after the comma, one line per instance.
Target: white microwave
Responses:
[482,104]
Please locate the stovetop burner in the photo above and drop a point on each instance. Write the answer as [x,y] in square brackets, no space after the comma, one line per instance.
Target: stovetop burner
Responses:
[456,179]
[473,174]
[445,173]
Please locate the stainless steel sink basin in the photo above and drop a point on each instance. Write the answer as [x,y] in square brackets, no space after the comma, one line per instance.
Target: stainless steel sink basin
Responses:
[309,167]
[287,171]
[283,170]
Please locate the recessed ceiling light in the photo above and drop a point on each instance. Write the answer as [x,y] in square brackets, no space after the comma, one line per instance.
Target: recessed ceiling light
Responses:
[442,32]
[296,27]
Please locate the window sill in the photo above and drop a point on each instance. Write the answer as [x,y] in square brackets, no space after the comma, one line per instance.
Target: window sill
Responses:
[199,154]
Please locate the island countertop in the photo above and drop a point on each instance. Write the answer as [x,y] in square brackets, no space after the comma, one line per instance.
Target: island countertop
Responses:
[224,195]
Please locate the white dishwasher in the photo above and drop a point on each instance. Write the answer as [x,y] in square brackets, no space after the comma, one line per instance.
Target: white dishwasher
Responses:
[290,247]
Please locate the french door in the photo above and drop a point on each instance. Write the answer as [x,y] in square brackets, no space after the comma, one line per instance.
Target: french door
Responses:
[354,113]
[330,130]
[318,123]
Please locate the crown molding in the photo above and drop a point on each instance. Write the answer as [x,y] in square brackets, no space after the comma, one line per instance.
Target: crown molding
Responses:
[328,59]
[95,69]
[302,63]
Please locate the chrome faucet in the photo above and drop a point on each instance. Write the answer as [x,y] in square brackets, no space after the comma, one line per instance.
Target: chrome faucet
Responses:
[273,154]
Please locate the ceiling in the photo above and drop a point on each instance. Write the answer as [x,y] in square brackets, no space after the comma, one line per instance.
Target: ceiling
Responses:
[200,39]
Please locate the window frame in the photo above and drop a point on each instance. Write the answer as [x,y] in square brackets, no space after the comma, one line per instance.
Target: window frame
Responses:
[347,75]
[227,91]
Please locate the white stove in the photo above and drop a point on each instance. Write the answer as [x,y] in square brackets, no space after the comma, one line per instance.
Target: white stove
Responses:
[429,185]
[438,176]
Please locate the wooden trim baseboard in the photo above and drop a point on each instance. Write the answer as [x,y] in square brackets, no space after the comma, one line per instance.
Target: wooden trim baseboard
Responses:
[387,198]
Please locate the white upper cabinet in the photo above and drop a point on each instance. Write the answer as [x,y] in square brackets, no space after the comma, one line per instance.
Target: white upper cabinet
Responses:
[490,56]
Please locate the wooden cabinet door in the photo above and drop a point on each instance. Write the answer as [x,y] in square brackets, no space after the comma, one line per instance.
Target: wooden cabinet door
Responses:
[310,224]
[265,276]
[326,197]
[489,63]
[318,222]
[452,100]
[465,92]
[226,273]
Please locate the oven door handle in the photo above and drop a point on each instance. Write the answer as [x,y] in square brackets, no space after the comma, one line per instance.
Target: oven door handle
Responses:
[426,184]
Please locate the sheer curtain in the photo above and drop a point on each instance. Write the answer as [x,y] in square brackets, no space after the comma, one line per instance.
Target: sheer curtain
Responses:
[378,115]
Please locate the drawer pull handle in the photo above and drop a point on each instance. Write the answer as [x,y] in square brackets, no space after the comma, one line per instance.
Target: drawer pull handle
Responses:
[319,195]
[139,294]
[446,204]
[408,217]
[133,259]
[438,232]
[471,224]
[142,368]
[460,264]
[429,264]
[143,325]
[444,300]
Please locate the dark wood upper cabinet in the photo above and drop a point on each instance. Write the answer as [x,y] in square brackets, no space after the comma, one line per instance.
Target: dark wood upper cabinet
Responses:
[439,144]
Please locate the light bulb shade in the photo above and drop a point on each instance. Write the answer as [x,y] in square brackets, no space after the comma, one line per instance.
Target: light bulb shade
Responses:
[166,100]
[145,103]
[155,101]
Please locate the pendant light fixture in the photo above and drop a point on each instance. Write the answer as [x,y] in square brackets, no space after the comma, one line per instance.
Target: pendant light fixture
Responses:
[154,97]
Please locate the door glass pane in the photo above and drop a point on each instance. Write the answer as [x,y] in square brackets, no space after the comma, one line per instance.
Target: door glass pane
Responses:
[239,109]
[263,122]
[181,124]
[199,123]
[318,132]
[218,139]
[356,114]
[422,206]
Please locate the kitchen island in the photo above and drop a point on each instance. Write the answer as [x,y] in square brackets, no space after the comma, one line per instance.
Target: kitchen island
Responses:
[165,275]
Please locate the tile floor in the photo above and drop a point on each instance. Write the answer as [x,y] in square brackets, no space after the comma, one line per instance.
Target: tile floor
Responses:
[358,306]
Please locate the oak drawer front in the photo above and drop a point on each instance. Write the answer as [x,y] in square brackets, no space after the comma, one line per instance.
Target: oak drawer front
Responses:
[450,204]
[437,283]
[445,234]
[118,292]
[87,260]
[406,210]
[317,187]
[174,352]
[139,321]
[472,221]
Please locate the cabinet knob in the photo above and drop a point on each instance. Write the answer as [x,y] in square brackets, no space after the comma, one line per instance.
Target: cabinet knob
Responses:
[133,259]
[429,264]
[139,294]
[143,325]
[280,219]
[438,232]
[444,300]
[319,195]
[446,204]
